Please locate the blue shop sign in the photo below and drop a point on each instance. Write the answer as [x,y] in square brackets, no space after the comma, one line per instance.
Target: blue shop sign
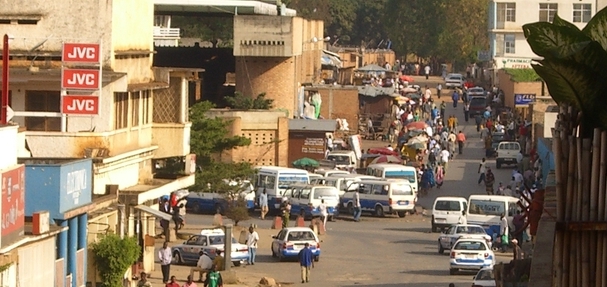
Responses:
[524,99]
[58,186]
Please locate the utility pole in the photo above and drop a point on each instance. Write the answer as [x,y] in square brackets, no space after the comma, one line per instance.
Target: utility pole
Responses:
[4,101]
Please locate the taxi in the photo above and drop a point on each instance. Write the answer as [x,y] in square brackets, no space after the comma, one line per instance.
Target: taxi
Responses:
[291,240]
[470,254]
[447,239]
[209,240]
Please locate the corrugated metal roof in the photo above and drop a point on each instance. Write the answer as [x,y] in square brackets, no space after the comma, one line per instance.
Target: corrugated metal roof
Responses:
[312,125]
[372,91]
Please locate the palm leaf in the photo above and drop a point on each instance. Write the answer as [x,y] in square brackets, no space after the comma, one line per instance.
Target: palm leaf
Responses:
[596,28]
[546,38]
[558,21]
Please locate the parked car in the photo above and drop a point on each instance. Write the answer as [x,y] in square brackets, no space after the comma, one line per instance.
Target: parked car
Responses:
[470,254]
[448,211]
[496,139]
[507,153]
[289,241]
[478,105]
[484,278]
[209,240]
[477,92]
[454,81]
[455,232]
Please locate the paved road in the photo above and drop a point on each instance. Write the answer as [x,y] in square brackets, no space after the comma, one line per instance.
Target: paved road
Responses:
[383,252]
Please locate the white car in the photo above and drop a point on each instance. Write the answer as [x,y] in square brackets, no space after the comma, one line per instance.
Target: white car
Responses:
[455,232]
[484,278]
[476,92]
[209,240]
[470,254]
[291,240]
[454,81]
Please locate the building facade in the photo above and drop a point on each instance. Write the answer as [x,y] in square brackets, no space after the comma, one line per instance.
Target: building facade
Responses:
[508,46]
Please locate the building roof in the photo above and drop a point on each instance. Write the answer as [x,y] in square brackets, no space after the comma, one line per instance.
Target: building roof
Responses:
[372,91]
[235,7]
[312,125]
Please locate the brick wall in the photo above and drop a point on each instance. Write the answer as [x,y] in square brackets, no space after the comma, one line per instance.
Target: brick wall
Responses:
[338,102]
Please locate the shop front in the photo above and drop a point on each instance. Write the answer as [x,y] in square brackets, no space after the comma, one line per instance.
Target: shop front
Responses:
[63,187]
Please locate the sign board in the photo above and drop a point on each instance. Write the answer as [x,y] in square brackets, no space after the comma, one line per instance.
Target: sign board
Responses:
[80,105]
[524,99]
[81,53]
[13,201]
[80,79]
[313,145]
[483,56]
[512,63]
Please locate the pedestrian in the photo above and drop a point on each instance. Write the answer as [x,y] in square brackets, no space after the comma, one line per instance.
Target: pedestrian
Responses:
[213,278]
[451,285]
[165,256]
[440,176]
[427,71]
[455,98]
[356,206]
[323,213]
[478,120]
[444,157]
[500,188]
[517,252]
[370,127]
[143,280]
[286,212]
[172,283]
[466,111]
[461,138]
[519,226]
[190,282]
[443,107]
[503,232]
[507,191]
[218,261]
[203,265]
[306,262]
[252,244]
[263,204]
[439,88]
[489,181]
[481,171]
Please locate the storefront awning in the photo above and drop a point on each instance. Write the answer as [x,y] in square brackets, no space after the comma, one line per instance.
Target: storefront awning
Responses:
[154,212]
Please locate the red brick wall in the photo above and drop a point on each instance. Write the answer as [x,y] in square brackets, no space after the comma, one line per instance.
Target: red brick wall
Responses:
[340,103]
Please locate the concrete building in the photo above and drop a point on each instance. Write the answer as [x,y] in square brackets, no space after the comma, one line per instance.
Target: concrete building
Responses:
[508,46]
[130,123]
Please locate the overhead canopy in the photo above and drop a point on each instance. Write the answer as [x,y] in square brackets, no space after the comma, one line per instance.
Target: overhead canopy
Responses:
[229,7]
[372,68]
[154,212]
[372,91]
[330,59]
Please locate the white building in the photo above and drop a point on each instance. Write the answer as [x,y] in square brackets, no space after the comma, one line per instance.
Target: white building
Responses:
[509,48]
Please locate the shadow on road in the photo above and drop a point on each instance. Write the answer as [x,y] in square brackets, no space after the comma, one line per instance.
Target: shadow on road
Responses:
[410,229]
[428,272]
[414,241]
[399,285]
[426,253]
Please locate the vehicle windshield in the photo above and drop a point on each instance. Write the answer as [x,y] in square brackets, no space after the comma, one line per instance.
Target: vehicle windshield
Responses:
[219,239]
[401,189]
[447,205]
[286,181]
[476,91]
[402,174]
[325,193]
[470,245]
[300,235]
[487,207]
[339,158]
[470,230]
[485,274]
[477,102]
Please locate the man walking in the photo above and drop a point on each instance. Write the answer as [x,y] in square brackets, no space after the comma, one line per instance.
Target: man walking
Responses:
[455,98]
[482,170]
[489,181]
[466,111]
[427,71]
[503,232]
[356,206]
[439,88]
[263,203]
[213,278]
[461,138]
[165,256]
[252,244]
[306,262]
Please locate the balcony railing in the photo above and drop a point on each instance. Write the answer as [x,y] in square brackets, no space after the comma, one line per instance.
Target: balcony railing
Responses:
[166,33]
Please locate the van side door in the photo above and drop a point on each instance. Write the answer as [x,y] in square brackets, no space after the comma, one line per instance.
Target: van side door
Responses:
[366,197]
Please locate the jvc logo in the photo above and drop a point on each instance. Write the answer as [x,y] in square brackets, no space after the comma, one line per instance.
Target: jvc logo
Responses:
[82,53]
[82,79]
[81,105]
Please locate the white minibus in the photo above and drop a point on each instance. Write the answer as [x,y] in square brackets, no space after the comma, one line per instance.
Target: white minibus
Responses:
[275,180]
[381,196]
[342,181]
[305,199]
[485,210]
[394,171]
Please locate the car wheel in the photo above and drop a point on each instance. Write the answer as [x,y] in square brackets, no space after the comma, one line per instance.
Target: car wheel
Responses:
[441,250]
[379,211]
[498,163]
[350,208]
[274,253]
[177,258]
[401,214]
[236,263]
[196,209]
[452,271]
[316,258]
[217,208]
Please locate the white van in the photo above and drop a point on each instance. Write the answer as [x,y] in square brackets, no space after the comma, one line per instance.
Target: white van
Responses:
[485,210]
[306,198]
[315,178]
[447,211]
[394,171]
[342,181]
[380,197]
[330,172]
[343,158]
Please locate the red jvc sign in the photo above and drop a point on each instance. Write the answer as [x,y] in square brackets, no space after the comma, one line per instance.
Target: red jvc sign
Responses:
[80,105]
[80,79]
[80,53]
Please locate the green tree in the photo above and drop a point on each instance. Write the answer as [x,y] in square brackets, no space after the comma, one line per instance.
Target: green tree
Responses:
[242,102]
[113,256]
[217,30]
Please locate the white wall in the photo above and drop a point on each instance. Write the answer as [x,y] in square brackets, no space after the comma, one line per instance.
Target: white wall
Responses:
[8,146]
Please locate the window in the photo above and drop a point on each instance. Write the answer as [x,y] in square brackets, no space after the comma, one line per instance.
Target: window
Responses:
[506,12]
[145,107]
[121,110]
[582,13]
[547,12]
[43,101]
[134,109]
[509,44]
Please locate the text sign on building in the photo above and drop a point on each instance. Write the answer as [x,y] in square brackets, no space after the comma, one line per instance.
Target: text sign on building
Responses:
[524,99]
[13,201]
[80,79]
[80,105]
[80,53]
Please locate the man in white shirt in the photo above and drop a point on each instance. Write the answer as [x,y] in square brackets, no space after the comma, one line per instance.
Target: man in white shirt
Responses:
[504,231]
[263,203]
[518,178]
[203,265]
[481,169]
[252,244]
[323,213]
[427,71]
[165,256]
[356,206]
[427,94]
[444,157]
[390,148]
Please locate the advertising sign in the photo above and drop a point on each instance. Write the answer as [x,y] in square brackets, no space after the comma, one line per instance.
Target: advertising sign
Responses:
[313,145]
[13,201]
[524,99]
[80,79]
[80,53]
[80,105]
[483,56]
